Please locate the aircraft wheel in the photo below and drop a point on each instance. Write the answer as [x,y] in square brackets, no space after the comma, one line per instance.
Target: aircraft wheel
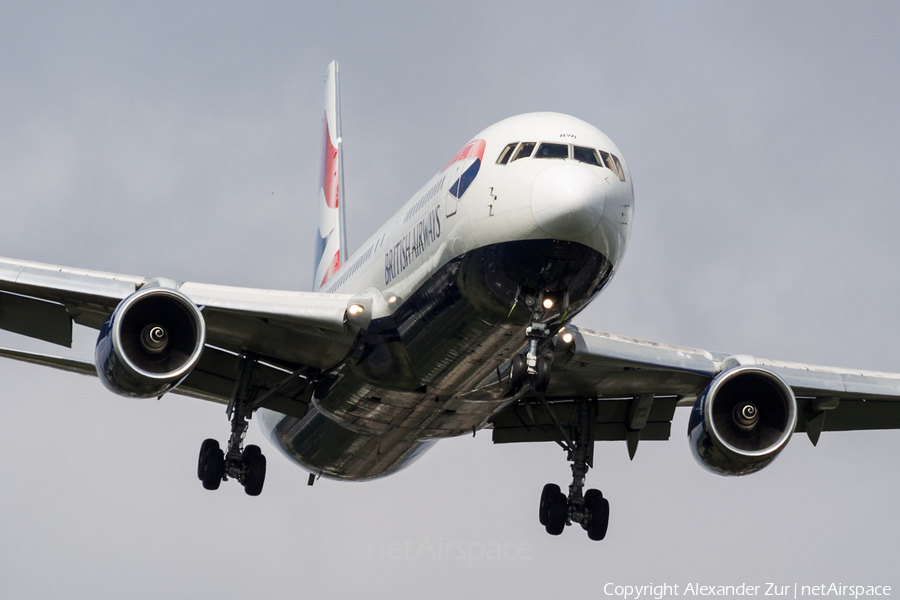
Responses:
[250,450]
[255,465]
[204,450]
[558,511]
[550,491]
[214,469]
[542,377]
[518,370]
[598,507]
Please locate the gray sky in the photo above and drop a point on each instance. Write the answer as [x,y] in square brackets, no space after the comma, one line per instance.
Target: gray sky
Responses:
[165,140]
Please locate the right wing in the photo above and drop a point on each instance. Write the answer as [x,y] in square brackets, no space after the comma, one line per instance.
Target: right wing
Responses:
[640,384]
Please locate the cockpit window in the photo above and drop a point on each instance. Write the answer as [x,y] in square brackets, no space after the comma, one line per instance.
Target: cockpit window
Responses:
[618,169]
[524,150]
[612,163]
[607,161]
[507,153]
[553,151]
[590,156]
[587,155]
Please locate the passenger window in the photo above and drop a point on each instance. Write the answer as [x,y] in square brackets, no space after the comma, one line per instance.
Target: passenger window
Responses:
[524,150]
[587,155]
[553,151]
[618,168]
[507,152]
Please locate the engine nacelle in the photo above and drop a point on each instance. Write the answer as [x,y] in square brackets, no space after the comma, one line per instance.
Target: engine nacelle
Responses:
[150,343]
[742,420]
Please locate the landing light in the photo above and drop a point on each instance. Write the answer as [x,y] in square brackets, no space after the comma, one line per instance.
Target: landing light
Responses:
[548,303]
[567,337]
[392,299]
[355,309]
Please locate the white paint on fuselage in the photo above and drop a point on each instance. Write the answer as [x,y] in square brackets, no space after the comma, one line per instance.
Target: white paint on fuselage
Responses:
[497,207]
[367,440]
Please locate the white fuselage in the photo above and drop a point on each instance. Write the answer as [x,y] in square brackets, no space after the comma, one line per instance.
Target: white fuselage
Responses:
[445,271]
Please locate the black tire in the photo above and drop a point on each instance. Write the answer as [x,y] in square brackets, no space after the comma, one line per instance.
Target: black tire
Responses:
[598,507]
[590,495]
[542,377]
[215,469]
[549,492]
[518,370]
[557,514]
[251,449]
[204,450]
[255,477]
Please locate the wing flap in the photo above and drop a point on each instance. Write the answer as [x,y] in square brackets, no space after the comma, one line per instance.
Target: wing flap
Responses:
[71,365]
[88,296]
[530,420]
[212,379]
[852,415]
[47,321]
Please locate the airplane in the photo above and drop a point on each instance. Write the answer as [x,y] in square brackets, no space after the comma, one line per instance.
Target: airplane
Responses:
[455,316]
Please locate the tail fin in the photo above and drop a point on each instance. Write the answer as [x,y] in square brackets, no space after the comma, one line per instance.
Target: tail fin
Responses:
[331,246]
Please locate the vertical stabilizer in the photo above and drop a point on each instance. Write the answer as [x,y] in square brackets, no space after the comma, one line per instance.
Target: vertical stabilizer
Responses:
[331,246]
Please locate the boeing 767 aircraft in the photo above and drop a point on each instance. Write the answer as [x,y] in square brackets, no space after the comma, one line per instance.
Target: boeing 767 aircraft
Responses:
[456,315]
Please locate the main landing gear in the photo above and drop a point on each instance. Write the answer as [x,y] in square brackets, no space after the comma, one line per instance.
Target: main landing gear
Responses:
[590,509]
[247,465]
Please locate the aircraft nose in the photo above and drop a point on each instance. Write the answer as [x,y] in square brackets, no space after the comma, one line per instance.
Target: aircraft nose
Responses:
[567,201]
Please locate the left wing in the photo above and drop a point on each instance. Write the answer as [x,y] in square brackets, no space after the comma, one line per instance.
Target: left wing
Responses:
[290,332]
[213,379]
[638,385]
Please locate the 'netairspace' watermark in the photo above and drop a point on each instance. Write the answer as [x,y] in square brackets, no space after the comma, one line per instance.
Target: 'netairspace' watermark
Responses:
[468,552]
[779,590]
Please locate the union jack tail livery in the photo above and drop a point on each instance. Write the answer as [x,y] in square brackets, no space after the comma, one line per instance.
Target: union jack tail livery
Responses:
[331,248]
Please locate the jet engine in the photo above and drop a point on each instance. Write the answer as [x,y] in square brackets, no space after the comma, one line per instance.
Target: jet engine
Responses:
[150,343]
[742,420]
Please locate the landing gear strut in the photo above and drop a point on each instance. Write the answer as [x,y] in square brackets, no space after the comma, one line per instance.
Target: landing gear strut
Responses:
[531,364]
[590,509]
[247,465]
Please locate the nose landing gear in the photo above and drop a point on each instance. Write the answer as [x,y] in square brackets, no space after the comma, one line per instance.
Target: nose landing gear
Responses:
[531,364]
[519,373]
